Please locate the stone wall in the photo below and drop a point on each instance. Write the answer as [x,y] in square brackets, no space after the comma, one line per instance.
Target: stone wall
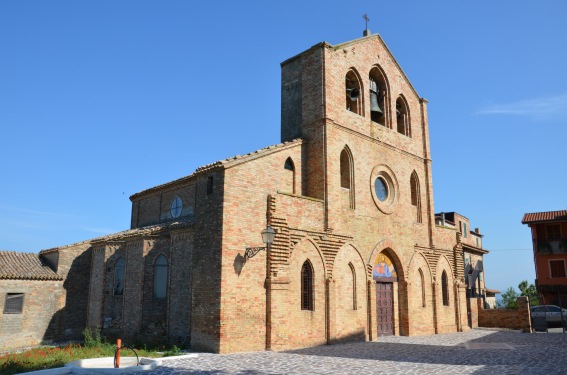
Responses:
[500,318]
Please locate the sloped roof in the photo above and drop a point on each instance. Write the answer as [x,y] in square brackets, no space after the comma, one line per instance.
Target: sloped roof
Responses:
[129,233]
[25,266]
[145,231]
[224,163]
[471,248]
[548,216]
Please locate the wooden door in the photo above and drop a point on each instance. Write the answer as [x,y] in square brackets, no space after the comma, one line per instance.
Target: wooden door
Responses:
[385,305]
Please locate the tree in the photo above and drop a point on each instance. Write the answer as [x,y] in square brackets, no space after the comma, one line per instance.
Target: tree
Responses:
[530,291]
[509,298]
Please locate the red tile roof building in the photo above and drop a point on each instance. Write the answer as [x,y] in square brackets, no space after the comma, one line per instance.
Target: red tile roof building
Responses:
[549,241]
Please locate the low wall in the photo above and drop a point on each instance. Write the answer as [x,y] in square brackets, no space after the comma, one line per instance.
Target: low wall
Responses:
[499,318]
[473,312]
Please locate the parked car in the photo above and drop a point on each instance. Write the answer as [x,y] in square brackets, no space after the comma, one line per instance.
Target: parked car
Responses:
[553,314]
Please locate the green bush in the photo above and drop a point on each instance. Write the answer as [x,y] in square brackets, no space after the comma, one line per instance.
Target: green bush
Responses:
[92,337]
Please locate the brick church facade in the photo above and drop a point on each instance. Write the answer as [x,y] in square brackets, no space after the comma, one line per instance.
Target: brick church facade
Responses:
[357,253]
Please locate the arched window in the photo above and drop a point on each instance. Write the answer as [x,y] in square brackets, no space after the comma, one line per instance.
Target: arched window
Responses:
[379,97]
[445,288]
[307,286]
[119,272]
[353,88]
[345,169]
[353,274]
[415,196]
[347,174]
[402,117]
[422,281]
[288,182]
[160,277]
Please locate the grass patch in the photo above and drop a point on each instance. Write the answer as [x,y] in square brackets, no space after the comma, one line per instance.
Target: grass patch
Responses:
[49,357]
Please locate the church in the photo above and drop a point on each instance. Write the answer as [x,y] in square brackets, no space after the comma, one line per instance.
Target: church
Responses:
[329,236]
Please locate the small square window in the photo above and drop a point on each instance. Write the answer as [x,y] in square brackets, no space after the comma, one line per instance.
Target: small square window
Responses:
[557,268]
[14,303]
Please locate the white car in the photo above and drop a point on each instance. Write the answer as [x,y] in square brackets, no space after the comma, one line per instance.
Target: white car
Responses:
[552,313]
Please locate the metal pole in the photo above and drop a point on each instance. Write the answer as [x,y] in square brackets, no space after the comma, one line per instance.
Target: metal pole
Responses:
[268,300]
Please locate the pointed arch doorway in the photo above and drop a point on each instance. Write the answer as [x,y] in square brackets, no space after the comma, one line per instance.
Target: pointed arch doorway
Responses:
[384,274]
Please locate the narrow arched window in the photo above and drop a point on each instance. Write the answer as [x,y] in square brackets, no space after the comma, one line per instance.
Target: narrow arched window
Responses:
[379,97]
[402,117]
[345,169]
[160,277]
[119,273]
[353,99]
[307,287]
[288,182]
[422,281]
[347,174]
[415,196]
[445,288]
[353,279]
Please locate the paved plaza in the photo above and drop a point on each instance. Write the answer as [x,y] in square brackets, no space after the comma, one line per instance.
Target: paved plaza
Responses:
[475,352]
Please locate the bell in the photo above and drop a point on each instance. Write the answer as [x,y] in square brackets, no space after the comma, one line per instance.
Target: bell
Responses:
[353,94]
[374,107]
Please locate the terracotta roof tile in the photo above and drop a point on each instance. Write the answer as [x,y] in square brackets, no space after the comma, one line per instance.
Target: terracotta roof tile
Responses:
[27,266]
[544,216]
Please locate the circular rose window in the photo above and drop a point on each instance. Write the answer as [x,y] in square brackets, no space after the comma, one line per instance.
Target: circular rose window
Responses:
[384,188]
[381,189]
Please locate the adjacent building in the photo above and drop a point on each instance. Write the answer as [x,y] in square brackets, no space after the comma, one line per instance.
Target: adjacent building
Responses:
[549,240]
[473,254]
[43,297]
[31,294]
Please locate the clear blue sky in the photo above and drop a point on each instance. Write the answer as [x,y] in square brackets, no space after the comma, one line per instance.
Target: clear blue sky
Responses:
[102,99]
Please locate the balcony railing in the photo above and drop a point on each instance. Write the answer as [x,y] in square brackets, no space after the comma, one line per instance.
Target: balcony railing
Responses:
[552,247]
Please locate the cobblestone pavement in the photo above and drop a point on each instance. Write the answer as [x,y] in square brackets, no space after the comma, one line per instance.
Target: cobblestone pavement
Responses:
[474,352]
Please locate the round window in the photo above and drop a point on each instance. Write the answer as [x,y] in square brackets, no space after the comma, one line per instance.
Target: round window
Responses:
[384,188]
[381,189]
[176,207]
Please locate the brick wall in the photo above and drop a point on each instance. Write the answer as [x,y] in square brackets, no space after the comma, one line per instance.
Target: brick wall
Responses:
[500,318]
[35,323]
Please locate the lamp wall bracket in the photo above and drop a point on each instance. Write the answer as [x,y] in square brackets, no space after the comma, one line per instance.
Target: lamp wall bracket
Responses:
[251,252]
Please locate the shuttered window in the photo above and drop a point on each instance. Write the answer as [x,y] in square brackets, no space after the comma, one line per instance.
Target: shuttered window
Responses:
[553,232]
[557,268]
[14,303]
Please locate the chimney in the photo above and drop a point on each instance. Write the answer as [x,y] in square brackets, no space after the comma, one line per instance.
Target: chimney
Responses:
[477,230]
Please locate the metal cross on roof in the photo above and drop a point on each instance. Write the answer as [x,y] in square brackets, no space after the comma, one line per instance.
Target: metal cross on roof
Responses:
[365,16]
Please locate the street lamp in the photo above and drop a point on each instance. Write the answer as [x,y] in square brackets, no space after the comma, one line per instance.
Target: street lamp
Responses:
[268,235]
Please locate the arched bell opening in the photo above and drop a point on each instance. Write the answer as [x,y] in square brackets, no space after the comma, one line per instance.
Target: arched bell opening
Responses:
[402,117]
[353,91]
[379,97]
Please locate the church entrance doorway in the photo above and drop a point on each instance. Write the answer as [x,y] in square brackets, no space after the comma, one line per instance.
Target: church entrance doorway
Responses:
[385,306]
